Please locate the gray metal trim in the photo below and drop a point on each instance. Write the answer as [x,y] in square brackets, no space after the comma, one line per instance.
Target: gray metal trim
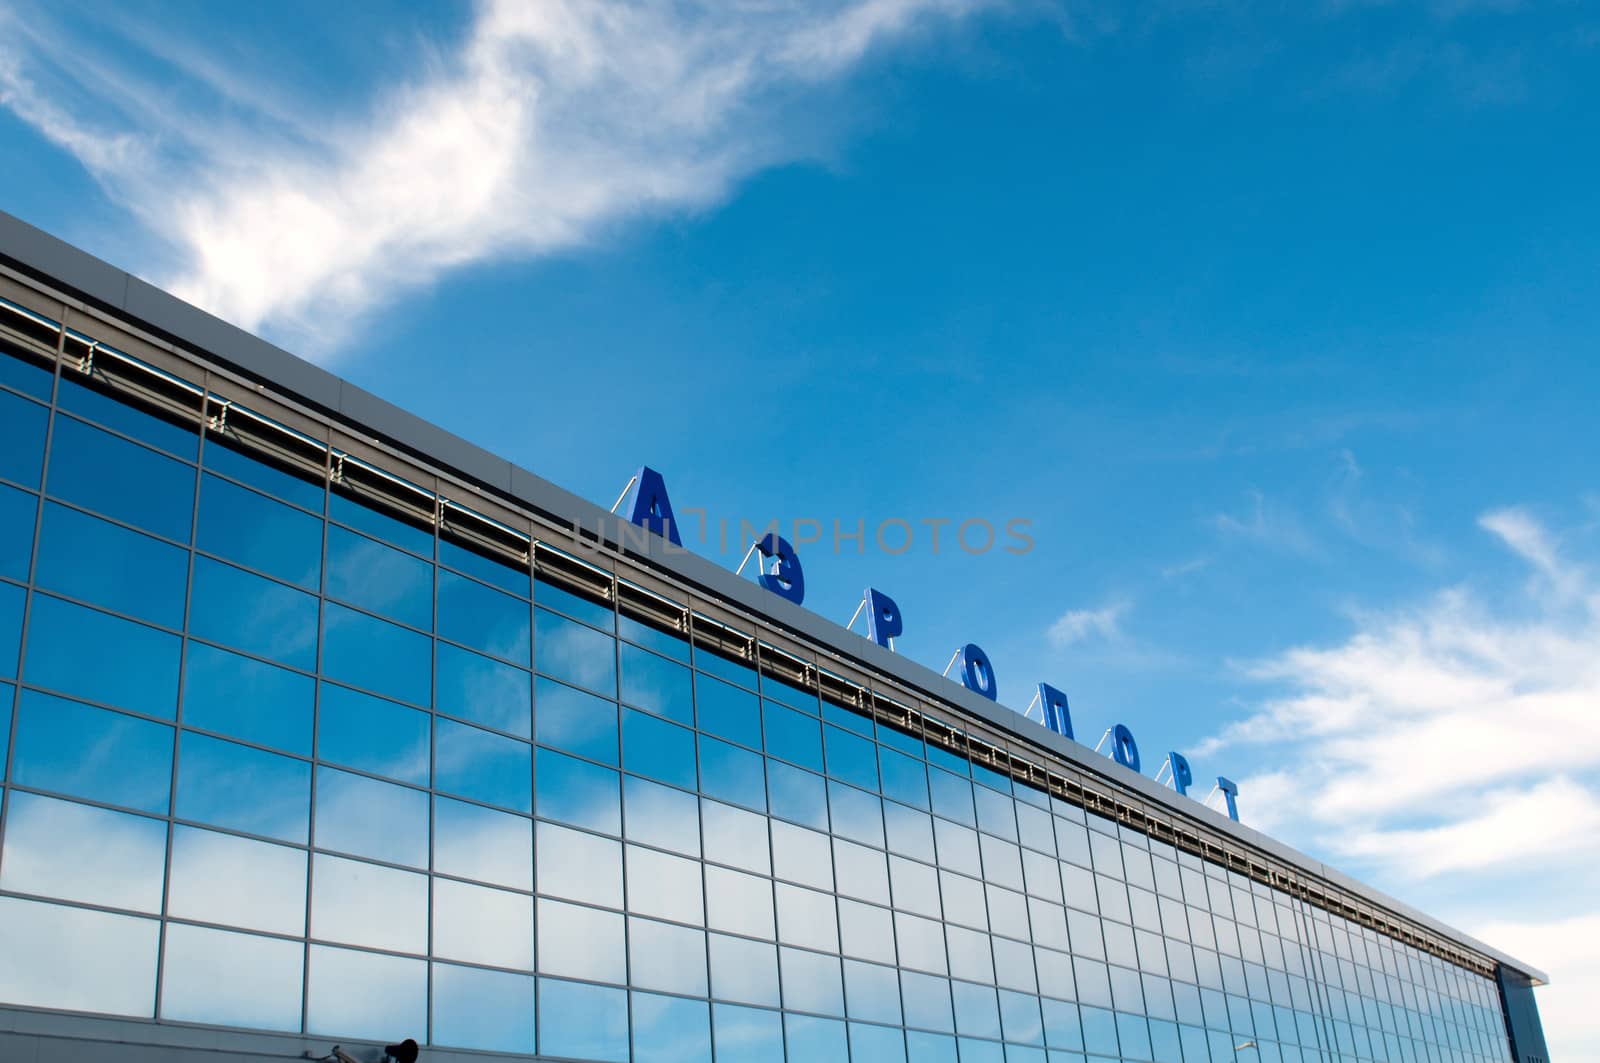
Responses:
[58,263]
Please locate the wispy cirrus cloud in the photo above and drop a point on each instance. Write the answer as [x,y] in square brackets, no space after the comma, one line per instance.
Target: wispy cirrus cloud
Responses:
[1450,740]
[1080,625]
[545,124]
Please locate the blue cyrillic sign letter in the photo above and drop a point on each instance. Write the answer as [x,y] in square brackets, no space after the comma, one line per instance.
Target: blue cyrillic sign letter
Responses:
[1182,776]
[883,617]
[651,507]
[786,579]
[1231,792]
[1124,748]
[977,674]
[1053,703]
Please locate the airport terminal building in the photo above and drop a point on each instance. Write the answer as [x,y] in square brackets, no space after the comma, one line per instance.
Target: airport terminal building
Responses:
[320,726]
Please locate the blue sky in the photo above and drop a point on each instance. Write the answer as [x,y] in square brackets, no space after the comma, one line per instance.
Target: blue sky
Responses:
[1276,324]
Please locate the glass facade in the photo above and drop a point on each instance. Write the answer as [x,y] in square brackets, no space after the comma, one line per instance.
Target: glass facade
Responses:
[278,759]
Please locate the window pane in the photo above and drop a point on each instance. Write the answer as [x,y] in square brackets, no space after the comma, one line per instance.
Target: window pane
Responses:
[598,614]
[483,766]
[802,856]
[860,872]
[12,599]
[851,758]
[739,903]
[578,866]
[866,931]
[655,683]
[480,924]
[17,512]
[746,1035]
[77,959]
[568,718]
[348,511]
[927,1001]
[379,578]
[661,750]
[243,789]
[365,995]
[669,1029]
[814,1040]
[484,691]
[80,853]
[724,667]
[377,656]
[732,774]
[735,837]
[728,711]
[580,943]
[290,486]
[21,438]
[577,792]
[667,887]
[996,813]
[904,779]
[662,641]
[877,1043]
[811,981]
[487,1010]
[582,1021]
[247,699]
[109,566]
[909,832]
[666,957]
[91,655]
[371,818]
[806,918]
[483,618]
[574,653]
[217,878]
[357,903]
[952,797]
[373,734]
[228,979]
[93,753]
[482,844]
[796,794]
[122,480]
[872,992]
[661,816]
[268,619]
[259,533]
[490,570]
[744,971]
[96,405]
[793,736]
[855,814]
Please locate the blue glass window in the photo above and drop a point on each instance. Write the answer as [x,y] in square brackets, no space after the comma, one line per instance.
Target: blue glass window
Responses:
[26,376]
[121,479]
[793,736]
[81,853]
[856,815]
[746,1035]
[666,642]
[659,749]
[563,601]
[848,718]
[732,774]
[289,486]
[570,719]
[18,509]
[257,615]
[367,817]
[364,994]
[485,619]
[78,959]
[199,980]
[7,695]
[877,1043]
[471,841]
[996,813]
[484,691]
[483,766]
[106,565]
[725,667]
[797,795]
[248,699]
[376,655]
[904,779]
[372,734]
[670,1029]
[244,789]
[583,1021]
[895,739]
[851,758]
[348,511]
[379,578]
[89,654]
[814,1040]
[977,1009]
[98,406]
[666,957]
[927,1001]
[222,878]
[12,600]
[574,653]
[1061,1029]
[728,711]
[577,792]
[661,816]
[94,753]
[487,1010]
[952,797]
[21,438]
[260,533]
[490,570]
[789,694]
[655,683]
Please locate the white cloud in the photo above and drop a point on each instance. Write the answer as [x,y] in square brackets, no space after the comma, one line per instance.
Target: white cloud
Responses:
[1079,625]
[1449,748]
[1267,524]
[549,122]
